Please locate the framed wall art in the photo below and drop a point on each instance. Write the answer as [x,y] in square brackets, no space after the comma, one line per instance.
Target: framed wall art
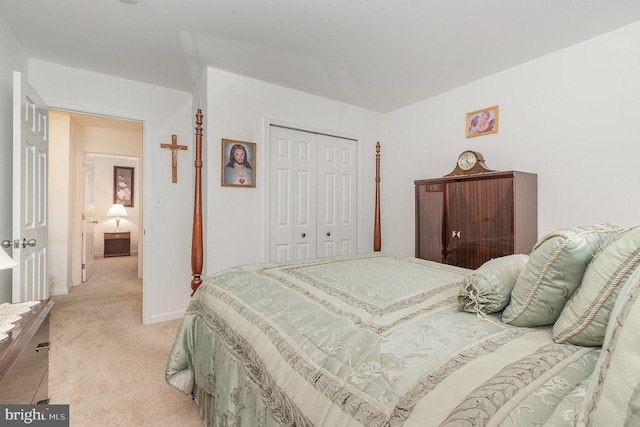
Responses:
[238,163]
[482,122]
[123,185]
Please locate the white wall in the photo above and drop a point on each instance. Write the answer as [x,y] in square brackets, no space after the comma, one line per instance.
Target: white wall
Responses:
[239,108]
[12,59]
[61,173]
[166,245]
[571,117]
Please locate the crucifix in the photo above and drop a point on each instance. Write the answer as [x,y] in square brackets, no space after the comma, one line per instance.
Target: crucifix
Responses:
[174,147]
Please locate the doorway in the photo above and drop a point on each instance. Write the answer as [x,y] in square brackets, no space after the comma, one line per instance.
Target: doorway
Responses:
[79,141]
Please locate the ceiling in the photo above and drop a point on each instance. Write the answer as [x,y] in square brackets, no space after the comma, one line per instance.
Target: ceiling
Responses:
[376,54]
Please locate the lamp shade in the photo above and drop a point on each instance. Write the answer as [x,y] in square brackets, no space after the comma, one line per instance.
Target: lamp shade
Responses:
[117,209]
[6,261]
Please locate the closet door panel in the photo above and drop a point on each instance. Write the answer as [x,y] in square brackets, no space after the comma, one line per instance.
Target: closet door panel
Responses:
[327,214]
[328,195]
[348,212]
[337,195]
[281,233]
[292,205]
[304,213]
[281,197]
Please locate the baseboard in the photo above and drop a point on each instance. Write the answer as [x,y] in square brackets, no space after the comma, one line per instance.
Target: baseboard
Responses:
[165,317]
[55,292]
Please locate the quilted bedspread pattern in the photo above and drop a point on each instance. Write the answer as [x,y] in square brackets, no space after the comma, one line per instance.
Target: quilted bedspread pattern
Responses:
[366,340]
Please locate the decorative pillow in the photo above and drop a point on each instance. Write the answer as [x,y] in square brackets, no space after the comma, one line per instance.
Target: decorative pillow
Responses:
[553,273]
[488,288]
[584,319]
[613,396]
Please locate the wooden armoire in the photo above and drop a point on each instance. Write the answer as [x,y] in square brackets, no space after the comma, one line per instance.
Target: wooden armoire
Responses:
[466,220]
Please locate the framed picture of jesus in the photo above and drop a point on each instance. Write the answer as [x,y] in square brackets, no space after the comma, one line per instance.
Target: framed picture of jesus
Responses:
[238,164]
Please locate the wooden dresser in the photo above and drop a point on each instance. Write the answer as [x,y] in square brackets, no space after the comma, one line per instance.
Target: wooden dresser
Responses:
[467,220]
[24,358]
[117,243]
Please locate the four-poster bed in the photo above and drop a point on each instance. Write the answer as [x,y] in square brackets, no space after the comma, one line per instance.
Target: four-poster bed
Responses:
[197,249]
[372,339]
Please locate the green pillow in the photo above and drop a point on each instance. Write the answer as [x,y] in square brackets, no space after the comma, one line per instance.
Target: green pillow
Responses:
[584,319]
[488,288]
[613,396]
[553,273]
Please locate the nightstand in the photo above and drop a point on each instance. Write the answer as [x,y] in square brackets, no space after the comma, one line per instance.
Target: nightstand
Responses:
[117,243]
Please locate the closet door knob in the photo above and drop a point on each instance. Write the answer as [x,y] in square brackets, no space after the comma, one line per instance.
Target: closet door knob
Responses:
[328,233]
[304,234]
[456,234]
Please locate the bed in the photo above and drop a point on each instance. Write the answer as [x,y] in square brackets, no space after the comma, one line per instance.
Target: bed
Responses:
[377,339]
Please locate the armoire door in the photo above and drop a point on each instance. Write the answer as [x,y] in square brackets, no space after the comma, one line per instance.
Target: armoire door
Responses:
[479,221]
[312,195]
[430,224]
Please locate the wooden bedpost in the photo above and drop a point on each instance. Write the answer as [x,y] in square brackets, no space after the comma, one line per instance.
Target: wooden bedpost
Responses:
[377,238]
[196,239]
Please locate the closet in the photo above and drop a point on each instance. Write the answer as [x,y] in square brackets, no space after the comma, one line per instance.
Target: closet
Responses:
[313,182]
[467,220]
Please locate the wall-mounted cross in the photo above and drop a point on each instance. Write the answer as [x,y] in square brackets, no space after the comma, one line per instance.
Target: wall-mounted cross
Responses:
[174,147]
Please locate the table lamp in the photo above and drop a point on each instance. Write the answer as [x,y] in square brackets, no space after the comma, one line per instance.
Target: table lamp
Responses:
[117,210]
[6,262]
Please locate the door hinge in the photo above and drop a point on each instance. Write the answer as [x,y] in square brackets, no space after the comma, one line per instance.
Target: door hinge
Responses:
[84,216]
[84,266]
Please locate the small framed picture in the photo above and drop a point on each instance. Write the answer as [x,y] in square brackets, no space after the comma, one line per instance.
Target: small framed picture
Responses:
[123,185]
[238,163]
[482,122]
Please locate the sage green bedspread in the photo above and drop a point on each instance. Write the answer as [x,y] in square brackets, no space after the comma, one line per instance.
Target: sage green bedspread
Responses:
[366,340]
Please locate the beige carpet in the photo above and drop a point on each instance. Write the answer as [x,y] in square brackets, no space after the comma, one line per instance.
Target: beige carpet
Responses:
[105,363]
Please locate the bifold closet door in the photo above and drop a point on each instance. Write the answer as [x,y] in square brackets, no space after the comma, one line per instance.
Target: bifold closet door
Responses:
[312,195]
[337,195]
[292,195]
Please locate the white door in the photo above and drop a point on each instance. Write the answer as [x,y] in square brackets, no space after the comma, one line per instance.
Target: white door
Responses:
[88,218]
[292,209]
[337,195]
[30,163]
[313,195]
